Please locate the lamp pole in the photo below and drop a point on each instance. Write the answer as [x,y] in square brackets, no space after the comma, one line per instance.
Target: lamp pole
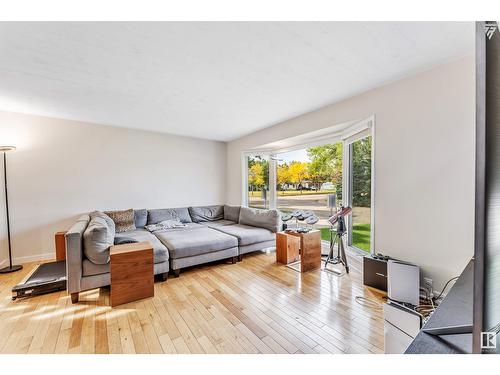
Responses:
[10,268]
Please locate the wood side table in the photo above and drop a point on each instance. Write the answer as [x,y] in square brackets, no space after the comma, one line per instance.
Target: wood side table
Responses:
[310,249]
[287,248]
[60,241]
[132,274]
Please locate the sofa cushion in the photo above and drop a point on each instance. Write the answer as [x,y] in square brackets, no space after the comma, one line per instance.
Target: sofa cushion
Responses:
[191,242]
[186,226]
[165,224]
[217,223]
[91,269]
[98,237]
[161,214]
[232,213]
[124,220]
[268,219]
[246,234]
[159,250]
[206,213]
[109,222]
[140,218]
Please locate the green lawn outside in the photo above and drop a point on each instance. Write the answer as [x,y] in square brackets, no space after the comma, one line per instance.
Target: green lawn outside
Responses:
[360,236]
[292,193]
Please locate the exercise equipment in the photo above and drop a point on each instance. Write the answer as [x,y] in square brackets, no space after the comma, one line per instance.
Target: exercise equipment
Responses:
[297,215]
[286,217]
[46,278]
[311,220]
[306,214]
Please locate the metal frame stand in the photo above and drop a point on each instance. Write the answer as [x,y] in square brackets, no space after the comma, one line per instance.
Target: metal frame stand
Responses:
[10,267]
[338,239]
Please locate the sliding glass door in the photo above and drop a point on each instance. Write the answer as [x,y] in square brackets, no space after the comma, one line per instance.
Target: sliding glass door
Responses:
[359,190]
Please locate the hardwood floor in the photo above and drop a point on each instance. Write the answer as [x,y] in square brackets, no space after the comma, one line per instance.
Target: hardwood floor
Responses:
[254,306]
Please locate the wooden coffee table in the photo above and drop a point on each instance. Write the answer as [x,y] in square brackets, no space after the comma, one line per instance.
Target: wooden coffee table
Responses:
[310,248]
[132,274]
[287,248]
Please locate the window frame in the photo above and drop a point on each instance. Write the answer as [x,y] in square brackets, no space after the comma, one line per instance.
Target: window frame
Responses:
[348,181]
[357,130]
[244,160]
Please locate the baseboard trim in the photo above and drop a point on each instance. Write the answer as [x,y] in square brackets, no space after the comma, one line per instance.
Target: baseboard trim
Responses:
[3,263]
[33,258]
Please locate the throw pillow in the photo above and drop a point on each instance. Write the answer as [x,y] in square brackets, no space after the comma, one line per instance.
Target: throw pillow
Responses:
[268,219]
[124,240]
[161,214]
[141,218]
[124,220]
[206,213]
[109,222]
[98,237]
[166,224]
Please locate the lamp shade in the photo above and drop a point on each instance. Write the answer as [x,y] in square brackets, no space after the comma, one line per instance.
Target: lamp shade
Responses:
[7,148]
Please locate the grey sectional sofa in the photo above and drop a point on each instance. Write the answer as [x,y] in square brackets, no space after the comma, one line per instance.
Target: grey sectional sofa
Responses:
[209,233]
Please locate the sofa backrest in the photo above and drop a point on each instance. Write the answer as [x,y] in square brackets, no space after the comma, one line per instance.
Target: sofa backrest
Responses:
[232,213]
[141,218]
[98,237]
[161,214]
[268,219]
[202,214]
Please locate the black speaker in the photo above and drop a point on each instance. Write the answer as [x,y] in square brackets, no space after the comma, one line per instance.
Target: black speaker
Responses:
[375,273]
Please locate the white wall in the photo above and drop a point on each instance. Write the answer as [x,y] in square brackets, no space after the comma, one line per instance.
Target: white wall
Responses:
[424,185]
[424,193]
[64,168]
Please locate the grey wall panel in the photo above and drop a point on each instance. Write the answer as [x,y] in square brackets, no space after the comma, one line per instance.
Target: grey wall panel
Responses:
[491,304]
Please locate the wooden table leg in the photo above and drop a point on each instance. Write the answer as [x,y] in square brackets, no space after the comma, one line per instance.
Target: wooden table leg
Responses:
[287,248]
[310,247]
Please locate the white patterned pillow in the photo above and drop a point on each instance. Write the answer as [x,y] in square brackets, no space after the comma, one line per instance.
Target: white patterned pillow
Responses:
[165,224]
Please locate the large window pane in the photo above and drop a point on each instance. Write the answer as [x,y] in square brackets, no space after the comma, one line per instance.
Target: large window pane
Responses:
[306,177]
[258,181]
[361,193]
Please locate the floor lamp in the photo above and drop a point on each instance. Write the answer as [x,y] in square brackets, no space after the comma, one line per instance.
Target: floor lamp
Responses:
[10,267]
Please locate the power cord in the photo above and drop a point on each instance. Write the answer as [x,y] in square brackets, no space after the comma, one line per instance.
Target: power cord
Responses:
[426,307]
[368,302]
[445,285]
[428,304]
[427,294]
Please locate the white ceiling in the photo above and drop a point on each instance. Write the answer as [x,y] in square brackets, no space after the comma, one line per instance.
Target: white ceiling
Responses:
[210,80]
